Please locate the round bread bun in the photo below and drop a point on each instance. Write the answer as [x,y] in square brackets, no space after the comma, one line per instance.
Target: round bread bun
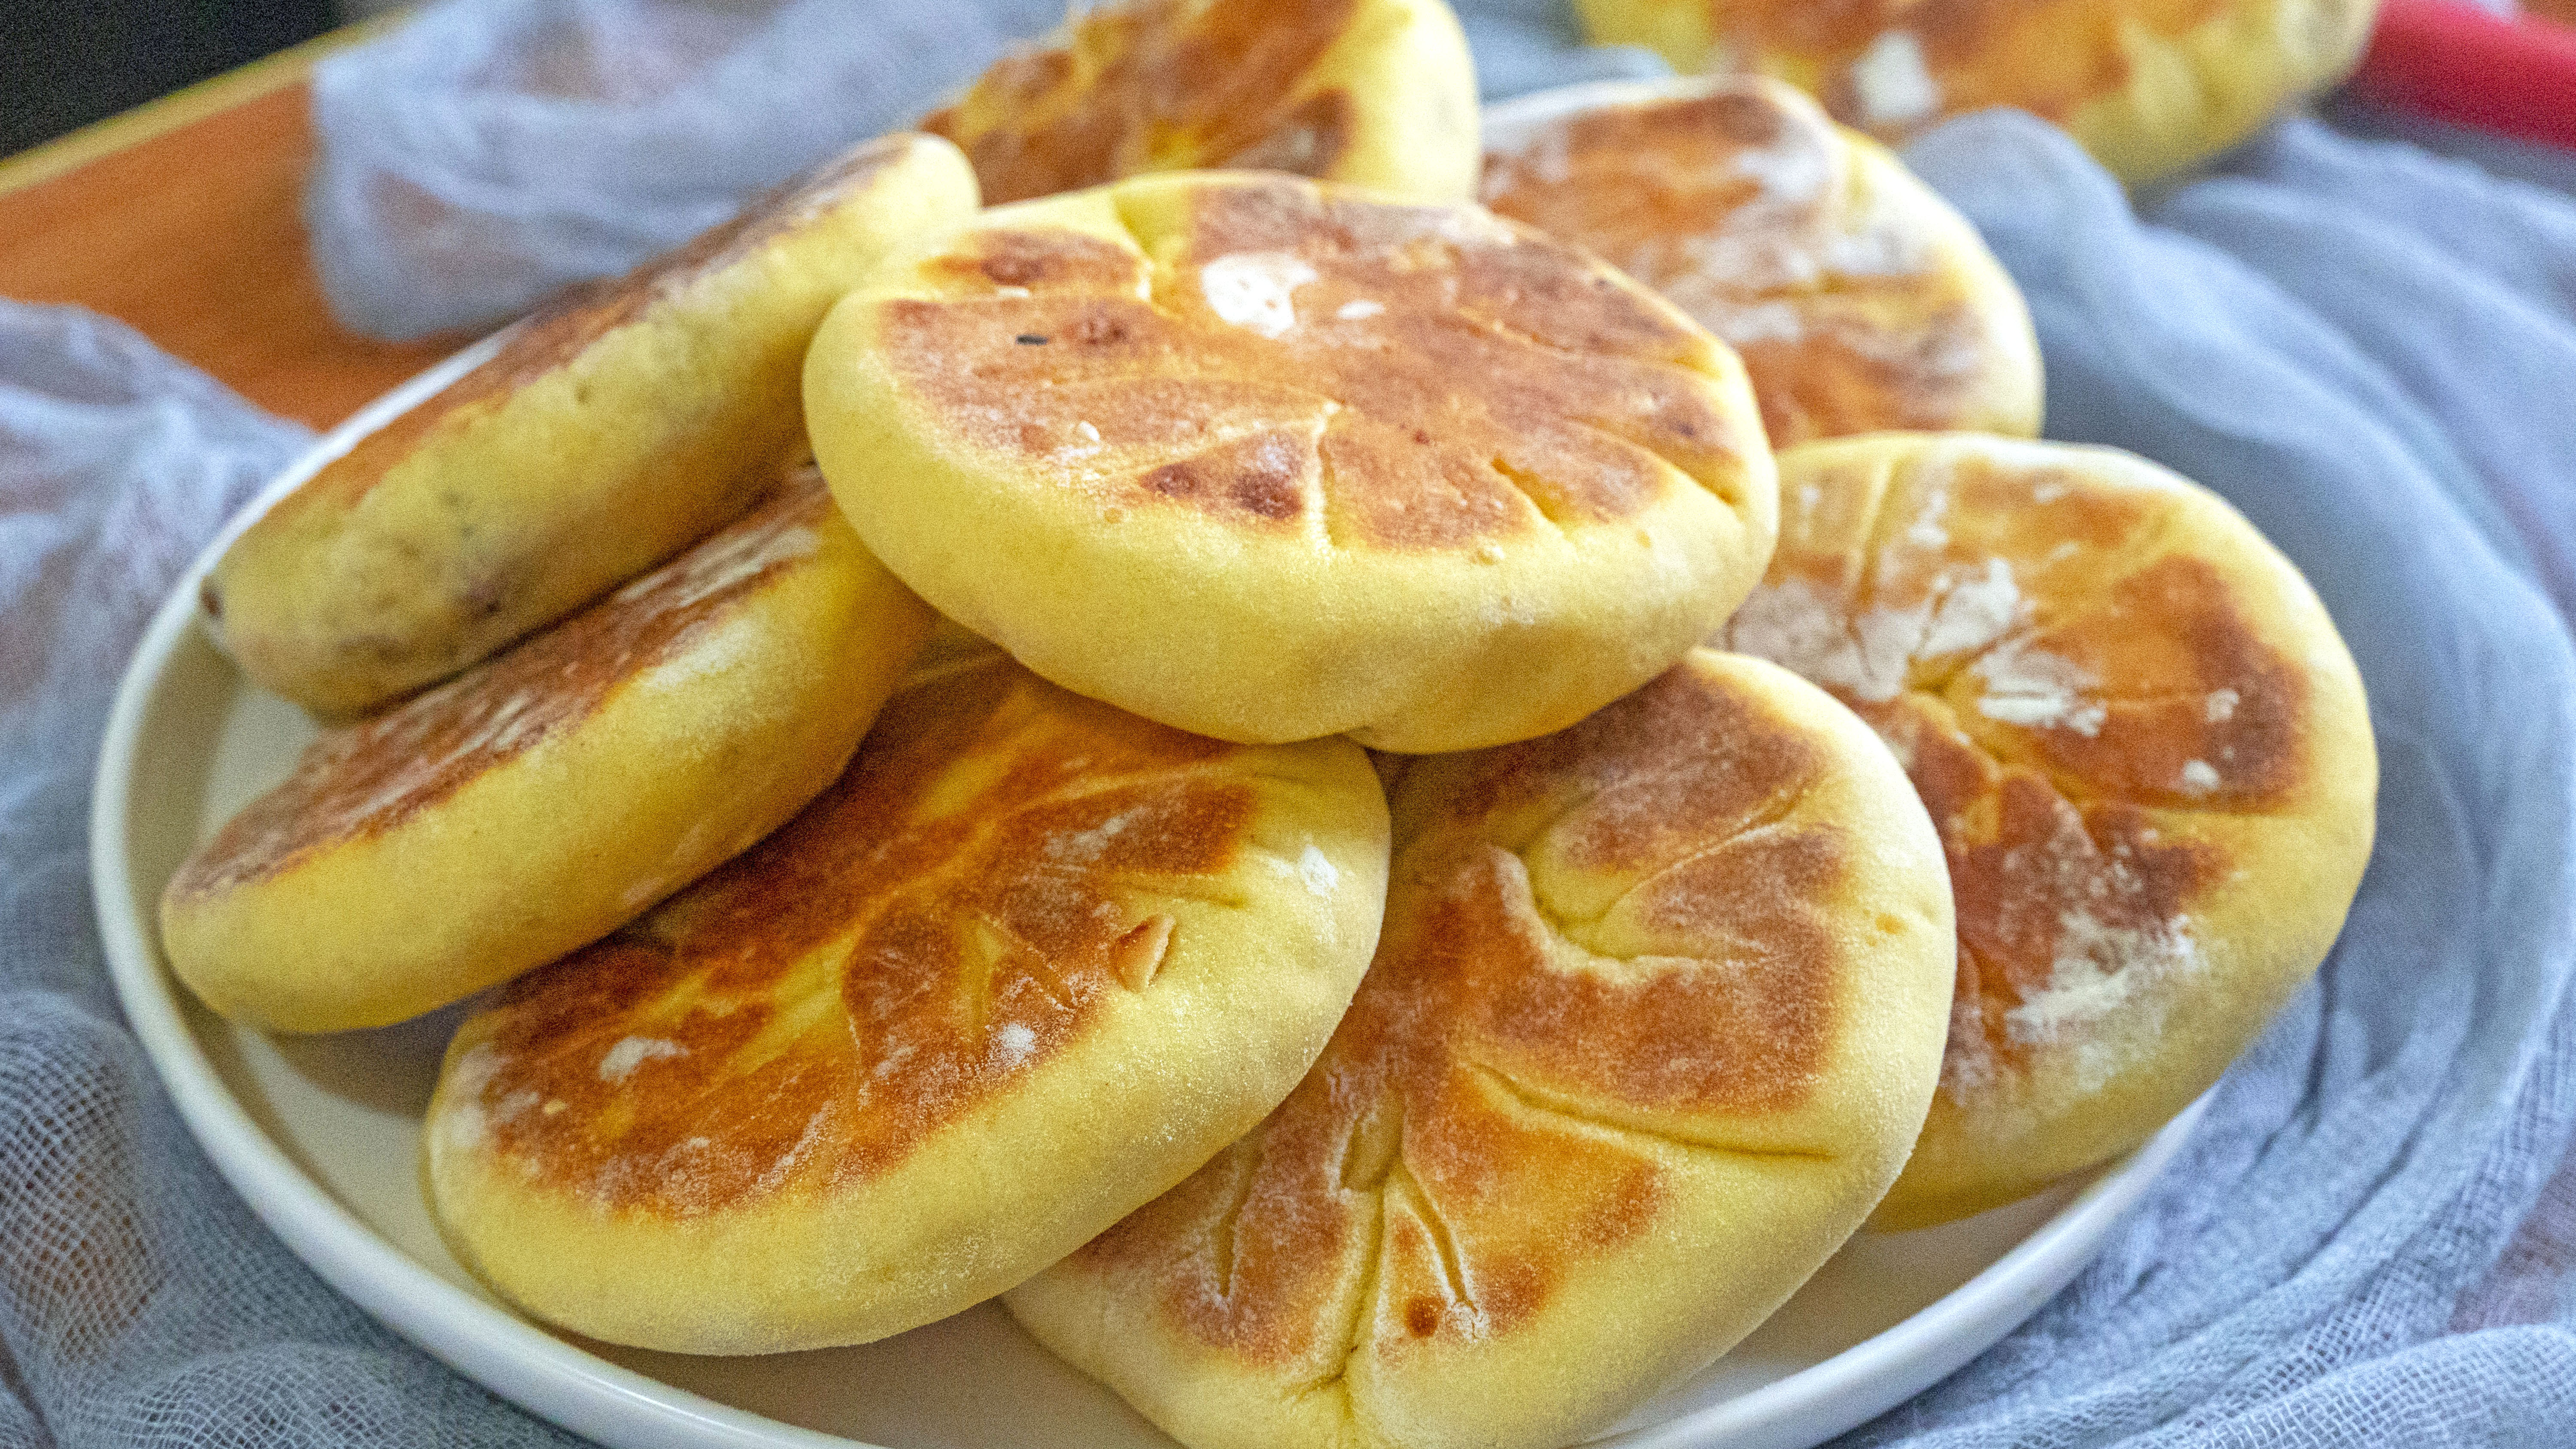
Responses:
[1028,963]
[2148,86]
[610,431]
[1859,301]
[1378,93]
[547,796]
[1655,1016]
[1267,460]
[2147,752]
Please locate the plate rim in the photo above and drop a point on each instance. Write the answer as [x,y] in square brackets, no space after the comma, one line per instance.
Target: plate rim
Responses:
[1934,1341]
[591,1396]
[512,1357]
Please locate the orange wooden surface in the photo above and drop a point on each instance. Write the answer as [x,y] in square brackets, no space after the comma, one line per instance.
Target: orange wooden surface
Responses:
[192,236]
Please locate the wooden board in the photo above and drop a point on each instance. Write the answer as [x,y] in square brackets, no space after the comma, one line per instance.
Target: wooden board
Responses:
[182,219]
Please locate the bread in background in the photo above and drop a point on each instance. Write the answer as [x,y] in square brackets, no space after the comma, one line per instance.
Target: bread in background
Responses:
[2148,86]
[1378,93]
[1859,301]
[2146,749]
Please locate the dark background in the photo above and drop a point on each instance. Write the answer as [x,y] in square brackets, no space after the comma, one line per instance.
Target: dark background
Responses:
[66,63]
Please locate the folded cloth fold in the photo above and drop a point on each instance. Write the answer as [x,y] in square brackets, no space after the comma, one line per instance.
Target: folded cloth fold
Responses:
[2292,1278]
[2364,347]
[493,151]
[140,1301]
[490,152]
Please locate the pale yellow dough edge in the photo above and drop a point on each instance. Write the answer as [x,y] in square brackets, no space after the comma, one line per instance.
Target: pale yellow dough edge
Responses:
[678,769]
[1210,629]
[1406,66]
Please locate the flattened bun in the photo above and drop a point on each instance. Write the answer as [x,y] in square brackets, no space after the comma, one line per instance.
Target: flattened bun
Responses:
[613,429]
[1378,93]
[2147,752]
[1027,964]
[1655,1017]
[545,797]
[1858,299]
[1267,460]
[2148,86]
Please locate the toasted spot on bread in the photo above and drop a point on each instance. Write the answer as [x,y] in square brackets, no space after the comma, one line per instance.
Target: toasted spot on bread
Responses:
[1234,374]
[1013,890]
[1858,301]
[362,779]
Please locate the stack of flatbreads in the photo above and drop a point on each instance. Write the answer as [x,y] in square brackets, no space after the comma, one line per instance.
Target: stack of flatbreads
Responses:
[1388,766]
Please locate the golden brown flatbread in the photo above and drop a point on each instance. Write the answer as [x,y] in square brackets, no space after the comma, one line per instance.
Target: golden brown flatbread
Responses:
[1859,301]
[1656,1013]
[1268,460]
[1379,93]
[2148,86]
[2146,749]
[1028,963]
[545,797]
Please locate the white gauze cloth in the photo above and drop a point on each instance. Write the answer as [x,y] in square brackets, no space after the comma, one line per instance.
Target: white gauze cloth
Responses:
[2367,348]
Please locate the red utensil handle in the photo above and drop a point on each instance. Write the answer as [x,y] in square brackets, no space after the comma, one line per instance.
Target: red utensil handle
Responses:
[2454,62]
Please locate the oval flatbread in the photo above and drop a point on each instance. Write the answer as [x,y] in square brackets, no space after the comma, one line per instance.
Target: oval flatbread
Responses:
[1379,93]
[1028,963]
[2146,749]
[2148,86]
[1858,299]
[543,798]
[1266,460]
[613,429]
[1655,1016]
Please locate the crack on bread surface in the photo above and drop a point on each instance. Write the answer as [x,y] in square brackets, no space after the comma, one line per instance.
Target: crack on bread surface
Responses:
[1536,1101]
[944,918]
[1476,381]
[1402,1170]
[2086,748]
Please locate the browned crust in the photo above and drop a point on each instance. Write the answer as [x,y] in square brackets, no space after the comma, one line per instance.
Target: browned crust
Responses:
[360,780]
[2048,57]
[1447,380]
[2062,754]
[1215,83]
[944,919]
[1729,204]
[1491,1111]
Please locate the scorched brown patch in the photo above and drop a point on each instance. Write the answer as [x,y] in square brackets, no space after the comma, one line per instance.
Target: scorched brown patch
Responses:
[1497,1102]
[1386,376]
[943,919]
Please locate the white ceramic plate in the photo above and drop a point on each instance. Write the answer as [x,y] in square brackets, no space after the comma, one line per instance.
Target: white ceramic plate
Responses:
[319,1134]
